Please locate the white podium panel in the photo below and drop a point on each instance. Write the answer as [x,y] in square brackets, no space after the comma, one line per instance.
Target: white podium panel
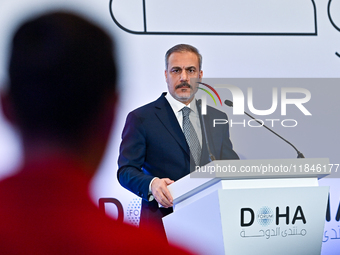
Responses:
[270,221]
[197,226]
[231,215]
[284,221]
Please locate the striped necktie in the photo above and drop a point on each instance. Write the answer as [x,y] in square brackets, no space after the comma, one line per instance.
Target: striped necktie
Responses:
[191,136]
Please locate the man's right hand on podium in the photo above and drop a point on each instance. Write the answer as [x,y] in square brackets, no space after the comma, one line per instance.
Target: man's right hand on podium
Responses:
[161,193]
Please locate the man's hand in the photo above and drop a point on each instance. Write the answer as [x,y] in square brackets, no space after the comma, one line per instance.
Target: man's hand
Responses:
[161,193]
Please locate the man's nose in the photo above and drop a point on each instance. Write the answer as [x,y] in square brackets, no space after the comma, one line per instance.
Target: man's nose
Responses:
[184,76]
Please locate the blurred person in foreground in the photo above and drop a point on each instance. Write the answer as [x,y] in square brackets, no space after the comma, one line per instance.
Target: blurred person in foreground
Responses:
[62,98]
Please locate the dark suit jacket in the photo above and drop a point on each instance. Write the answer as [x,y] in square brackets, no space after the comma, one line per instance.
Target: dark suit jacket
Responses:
[153,145]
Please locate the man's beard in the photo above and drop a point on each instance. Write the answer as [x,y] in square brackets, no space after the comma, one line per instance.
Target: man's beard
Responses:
[182,98]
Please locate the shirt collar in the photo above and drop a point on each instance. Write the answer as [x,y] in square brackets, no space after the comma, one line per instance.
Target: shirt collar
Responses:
[177,105]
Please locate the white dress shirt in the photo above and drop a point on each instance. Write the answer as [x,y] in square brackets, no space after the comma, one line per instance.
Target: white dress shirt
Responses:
[177,107]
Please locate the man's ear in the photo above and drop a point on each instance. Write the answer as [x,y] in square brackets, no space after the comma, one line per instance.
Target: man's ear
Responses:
[166,75]
[7,107]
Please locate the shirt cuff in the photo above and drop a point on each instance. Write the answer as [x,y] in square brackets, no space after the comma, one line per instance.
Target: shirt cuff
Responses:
[150,196]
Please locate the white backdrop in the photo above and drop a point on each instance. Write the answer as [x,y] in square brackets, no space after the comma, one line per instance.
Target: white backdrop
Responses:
[292,38]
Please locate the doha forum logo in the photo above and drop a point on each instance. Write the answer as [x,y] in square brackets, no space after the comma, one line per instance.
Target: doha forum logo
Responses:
[265,216]
[133,211]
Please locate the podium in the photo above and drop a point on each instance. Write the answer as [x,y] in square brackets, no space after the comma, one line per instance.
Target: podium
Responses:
[250,207]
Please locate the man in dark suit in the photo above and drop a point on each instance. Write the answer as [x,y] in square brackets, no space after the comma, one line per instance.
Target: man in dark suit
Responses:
[156,149]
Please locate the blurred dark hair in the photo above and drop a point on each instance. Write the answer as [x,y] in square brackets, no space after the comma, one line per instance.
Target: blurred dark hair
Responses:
[61,71]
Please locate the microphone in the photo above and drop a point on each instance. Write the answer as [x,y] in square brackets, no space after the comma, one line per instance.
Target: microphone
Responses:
[300,155]
[211,156]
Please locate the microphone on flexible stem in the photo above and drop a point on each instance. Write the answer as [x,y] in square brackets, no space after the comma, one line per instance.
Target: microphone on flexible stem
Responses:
[300,155]
[211,156]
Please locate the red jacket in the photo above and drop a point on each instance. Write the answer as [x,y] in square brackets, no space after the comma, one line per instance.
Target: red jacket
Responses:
[46,209]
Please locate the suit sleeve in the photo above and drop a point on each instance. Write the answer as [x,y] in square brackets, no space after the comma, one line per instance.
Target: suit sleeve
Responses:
[132,156]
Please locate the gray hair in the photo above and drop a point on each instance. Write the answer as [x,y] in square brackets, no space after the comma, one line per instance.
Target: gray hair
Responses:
[182,48]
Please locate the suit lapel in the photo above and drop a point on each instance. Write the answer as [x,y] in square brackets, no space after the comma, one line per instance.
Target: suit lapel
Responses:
[167,117]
